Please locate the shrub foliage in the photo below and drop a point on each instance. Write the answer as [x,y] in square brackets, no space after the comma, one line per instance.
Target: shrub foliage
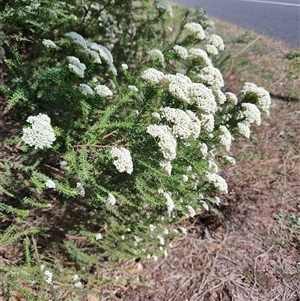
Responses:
[116,125]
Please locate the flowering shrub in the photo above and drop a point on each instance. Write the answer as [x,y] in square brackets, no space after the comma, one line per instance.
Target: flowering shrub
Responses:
[129,126]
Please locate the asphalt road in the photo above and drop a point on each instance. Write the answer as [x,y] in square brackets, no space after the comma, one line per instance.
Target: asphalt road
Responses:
[277,19]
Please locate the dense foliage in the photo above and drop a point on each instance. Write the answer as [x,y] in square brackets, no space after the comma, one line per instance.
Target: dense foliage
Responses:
[118,127]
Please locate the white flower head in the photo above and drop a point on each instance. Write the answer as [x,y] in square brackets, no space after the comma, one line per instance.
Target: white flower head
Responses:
[40,134]
[251,113]
[133,88]
[123,160]
[167,141]
[157,54]
[164,7]
[225,137]
[77,38]
[244,129]
[166,165]
[124,66]
[111,199]
[50,184]
[76,66]
[78,284]
[48,276]
[98,236]
[103,91]
[197,29]
[211,76]
[262,96]
[152,76]
[217,181]
[80,188]
[216,41]
[86,89]
[181,51]
[211,49]
[191,211]
[49,44]
[169,203]
[199,55]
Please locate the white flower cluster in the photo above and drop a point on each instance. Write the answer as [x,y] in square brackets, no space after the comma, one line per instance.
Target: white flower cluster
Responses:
[40,134]
[216,41]
[181,51]
[123,160]
[111,200]
[164,7]
[152,76]
[49,43]
[94,50]
[203,97]
[215,44]
[133,88]
[169,202]
[167,141]
[157,54]
[197,29]
[200,56]
[103,91]
[80,188]
[178,85]
[225,137]
[218,181]
[251,113]
[191,210]
[185,123]
[76,66]
[263,96]
[211,76]
[166,165]
[86,89]
[50,184]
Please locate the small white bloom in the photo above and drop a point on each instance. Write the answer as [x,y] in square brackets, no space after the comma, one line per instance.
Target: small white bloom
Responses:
[111,200]
[205,206]
[76,66]
[183,230]
[156,54]
[152,76]
[78,284]
[251,113]
[124,66]
[40,134]
[166,231]
[185,178]
[133,88]
[50,184]
[161,240]
[123,237]
[75,277]
[49,44]
[169,203]
[217,181]
[156,115]
[191,211]
[49,276]
[152,227]
[225,137]
[164,7]
[86,89]
[103,91]
[216,41]
[123,160]
[166,165]
[98,236]
[165,254]
[77,38]
[244,128]
[211,49]
[42,267]
[63,165]
[181,51]
[154,257]
[195,28]
[80,188]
